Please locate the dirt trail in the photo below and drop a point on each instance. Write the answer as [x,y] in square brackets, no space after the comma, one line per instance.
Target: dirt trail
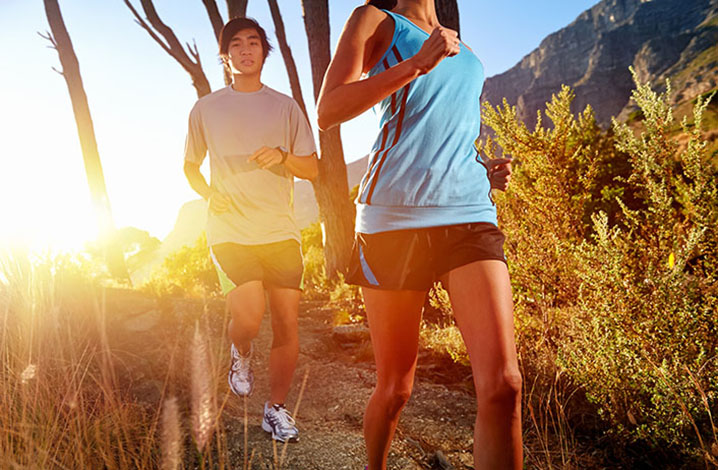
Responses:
[437,420]
[330,414]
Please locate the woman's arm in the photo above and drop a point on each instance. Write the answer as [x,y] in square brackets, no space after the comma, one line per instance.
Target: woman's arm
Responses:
[344,94]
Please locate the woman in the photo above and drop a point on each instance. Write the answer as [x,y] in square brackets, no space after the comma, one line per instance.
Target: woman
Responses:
[424,213]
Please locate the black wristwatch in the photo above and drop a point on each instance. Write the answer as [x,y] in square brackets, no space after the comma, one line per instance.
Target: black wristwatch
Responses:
[284,153]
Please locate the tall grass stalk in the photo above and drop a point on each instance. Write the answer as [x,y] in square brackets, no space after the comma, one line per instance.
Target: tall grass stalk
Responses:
[60,405]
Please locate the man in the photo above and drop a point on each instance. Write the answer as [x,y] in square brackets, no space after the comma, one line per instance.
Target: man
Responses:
[258,140]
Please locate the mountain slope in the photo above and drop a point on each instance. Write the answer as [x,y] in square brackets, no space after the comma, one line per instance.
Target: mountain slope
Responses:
[659,38]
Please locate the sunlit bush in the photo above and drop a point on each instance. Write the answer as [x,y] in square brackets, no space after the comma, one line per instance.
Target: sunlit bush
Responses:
[611,241]
[188,271]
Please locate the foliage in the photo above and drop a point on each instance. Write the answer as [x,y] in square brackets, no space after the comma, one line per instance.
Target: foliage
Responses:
[439,332]
[611,240]
[316,284]
[344,297]
[188,271]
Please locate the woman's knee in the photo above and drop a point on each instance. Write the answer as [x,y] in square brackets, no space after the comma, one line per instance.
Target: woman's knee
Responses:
[503,391]
[394,396]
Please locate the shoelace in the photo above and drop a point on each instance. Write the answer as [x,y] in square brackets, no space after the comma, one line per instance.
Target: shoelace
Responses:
[282,417]
[240,365]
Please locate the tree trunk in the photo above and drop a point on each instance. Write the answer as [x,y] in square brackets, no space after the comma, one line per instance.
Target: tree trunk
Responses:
[287,55]
[88,142]
[448,13]
[330,187]
[236,8]
[217,23]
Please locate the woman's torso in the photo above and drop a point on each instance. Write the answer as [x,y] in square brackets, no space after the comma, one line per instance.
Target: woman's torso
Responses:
[422,169]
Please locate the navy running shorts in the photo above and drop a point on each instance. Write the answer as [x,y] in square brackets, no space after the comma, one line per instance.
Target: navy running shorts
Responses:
[414,259]
[275,264]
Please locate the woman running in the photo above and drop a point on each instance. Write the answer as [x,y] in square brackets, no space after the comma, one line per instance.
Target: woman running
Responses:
[424,213]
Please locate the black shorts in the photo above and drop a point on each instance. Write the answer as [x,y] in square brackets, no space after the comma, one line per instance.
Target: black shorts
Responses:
[275,264]
[414,259]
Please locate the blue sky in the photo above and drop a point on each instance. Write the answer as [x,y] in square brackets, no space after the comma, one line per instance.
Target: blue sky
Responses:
[140,97]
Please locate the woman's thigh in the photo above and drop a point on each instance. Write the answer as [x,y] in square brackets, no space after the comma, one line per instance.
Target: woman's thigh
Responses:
[480,294]
[394,321]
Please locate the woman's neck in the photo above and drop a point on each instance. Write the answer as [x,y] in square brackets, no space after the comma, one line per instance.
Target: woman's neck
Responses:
[421,11]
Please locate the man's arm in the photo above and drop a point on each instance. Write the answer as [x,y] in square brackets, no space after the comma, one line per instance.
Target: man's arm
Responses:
[299,166]
[196,179]
[217,202]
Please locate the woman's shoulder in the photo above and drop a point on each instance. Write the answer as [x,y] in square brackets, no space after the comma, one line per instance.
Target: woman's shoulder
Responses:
[367,18]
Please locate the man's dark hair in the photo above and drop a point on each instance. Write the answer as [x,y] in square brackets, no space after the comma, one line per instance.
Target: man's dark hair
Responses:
[383,4]
[236,25]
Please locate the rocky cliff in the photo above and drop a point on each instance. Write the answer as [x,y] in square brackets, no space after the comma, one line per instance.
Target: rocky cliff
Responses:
[677,39]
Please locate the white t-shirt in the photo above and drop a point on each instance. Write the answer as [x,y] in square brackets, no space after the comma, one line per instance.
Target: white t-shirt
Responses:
[231,126]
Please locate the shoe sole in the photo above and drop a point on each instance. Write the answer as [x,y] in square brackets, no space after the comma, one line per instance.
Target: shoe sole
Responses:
[267,428]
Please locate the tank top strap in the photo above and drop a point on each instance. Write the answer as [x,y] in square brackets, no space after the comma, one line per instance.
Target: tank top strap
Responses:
[402,29]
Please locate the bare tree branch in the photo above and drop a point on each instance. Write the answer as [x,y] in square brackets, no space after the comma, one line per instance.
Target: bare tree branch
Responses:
[214,16]
[172,45]
[150,31]
[48,37]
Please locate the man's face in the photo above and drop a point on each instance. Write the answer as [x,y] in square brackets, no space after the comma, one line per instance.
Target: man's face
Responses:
[245,52]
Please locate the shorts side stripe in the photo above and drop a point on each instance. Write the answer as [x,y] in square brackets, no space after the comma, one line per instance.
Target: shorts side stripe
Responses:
[366,270]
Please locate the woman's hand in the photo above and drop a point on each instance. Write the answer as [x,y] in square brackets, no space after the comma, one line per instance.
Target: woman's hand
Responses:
[499,172]
[442,43]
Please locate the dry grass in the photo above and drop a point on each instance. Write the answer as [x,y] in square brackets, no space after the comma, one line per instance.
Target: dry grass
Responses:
[72,378]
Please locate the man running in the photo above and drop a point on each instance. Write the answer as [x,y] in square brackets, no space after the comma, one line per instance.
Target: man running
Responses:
[258,140]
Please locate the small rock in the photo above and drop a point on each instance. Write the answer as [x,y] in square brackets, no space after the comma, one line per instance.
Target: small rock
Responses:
[350,333]
[143,322]
[438,461]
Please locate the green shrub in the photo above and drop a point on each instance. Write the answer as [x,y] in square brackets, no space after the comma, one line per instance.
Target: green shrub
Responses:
[188,271]
[611,241]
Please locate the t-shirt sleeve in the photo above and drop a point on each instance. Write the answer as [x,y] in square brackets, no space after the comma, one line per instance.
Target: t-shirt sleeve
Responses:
[195,148]
[302,139]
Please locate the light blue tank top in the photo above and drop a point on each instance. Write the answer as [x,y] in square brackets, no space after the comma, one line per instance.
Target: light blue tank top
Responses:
[422,169]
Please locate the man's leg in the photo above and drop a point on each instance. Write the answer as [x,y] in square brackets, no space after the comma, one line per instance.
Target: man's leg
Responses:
[246,305]
[480,295]
[284,304]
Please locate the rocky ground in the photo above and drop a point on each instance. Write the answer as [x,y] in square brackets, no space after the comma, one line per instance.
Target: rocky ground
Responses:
[435,431]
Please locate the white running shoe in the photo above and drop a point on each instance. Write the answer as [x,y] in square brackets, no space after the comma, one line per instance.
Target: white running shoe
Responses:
[240,377]
[278,421]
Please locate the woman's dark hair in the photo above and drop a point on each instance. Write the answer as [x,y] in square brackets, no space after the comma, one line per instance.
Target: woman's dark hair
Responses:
[383,4]
[233,27]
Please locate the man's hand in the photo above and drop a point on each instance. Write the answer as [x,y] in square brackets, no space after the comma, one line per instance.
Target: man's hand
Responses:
[499,172]
[266,157]
[218,202]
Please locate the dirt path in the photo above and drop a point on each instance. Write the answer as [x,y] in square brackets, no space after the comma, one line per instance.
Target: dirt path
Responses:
[437,422]
[330,414]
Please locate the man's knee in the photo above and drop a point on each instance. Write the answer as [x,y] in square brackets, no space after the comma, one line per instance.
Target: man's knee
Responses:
[246,313]
[284,330]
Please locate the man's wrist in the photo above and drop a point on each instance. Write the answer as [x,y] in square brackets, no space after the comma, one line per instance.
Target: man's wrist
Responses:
[284,153]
